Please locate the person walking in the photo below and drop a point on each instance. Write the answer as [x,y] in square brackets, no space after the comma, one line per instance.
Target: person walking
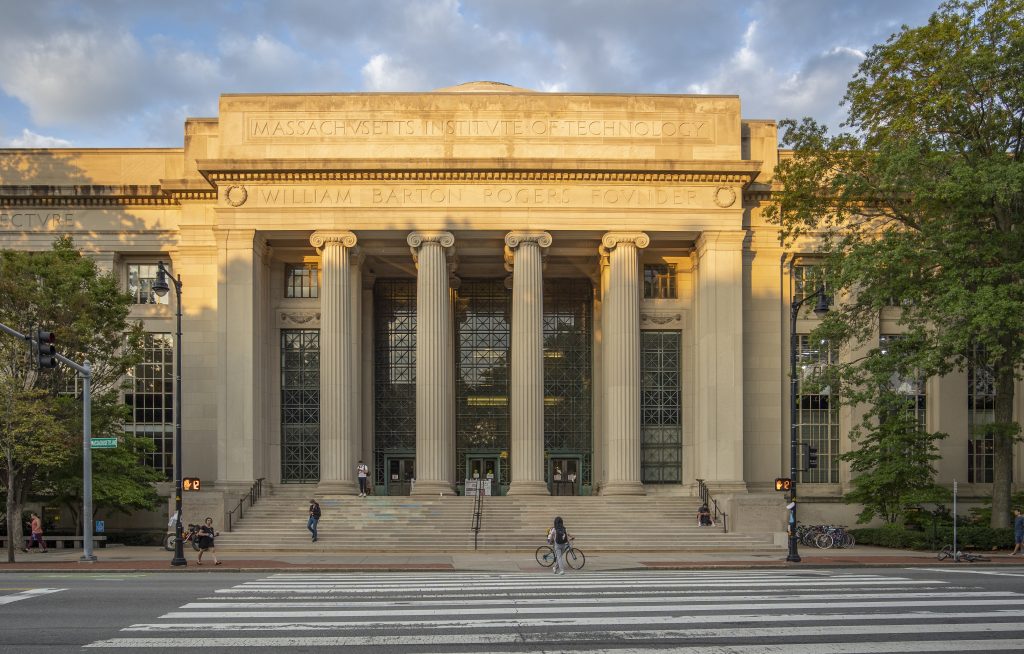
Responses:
[314,518]
[206,535]
[36,537]
[1018,531]
[361,471]
[559,539]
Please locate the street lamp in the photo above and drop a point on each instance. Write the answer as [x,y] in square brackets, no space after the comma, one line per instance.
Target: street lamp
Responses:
[820,309]
[160,287]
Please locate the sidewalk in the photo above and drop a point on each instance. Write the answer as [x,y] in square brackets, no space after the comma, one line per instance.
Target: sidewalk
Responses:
[154,559]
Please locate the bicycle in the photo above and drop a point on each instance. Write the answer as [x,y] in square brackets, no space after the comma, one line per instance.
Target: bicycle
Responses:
[189,535]
[574,558]
[959,555]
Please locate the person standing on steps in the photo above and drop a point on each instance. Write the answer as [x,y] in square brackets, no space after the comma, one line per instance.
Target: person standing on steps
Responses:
[559,539]
[314,518]
[1018,531]
[361,472]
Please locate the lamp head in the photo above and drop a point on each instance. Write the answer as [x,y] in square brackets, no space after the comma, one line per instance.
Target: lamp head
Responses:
[821,306]
[160,286]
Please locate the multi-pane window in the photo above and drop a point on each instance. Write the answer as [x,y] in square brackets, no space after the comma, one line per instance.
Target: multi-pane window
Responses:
[300,405]
[981,412]
[302,280]
[660,281]
[394,373]
[807,279]
[661,434]
[817,411]
[912,387]
[151,398]
[140,284]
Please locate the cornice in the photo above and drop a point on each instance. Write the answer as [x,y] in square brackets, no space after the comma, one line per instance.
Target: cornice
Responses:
[84,196]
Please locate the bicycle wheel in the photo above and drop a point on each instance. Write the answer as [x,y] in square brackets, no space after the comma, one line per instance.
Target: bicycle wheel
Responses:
[575,559]
[848,540]
[823,541]
[545,556]
[945,553]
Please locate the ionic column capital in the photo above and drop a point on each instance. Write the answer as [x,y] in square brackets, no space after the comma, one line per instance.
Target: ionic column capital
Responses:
[321,239]
[417,239]
[516,238]
[612,240]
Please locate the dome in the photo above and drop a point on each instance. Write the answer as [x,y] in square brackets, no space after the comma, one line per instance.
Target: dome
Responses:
[483,87]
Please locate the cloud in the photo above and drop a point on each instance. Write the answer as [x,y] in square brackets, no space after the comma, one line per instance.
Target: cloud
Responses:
[30,139]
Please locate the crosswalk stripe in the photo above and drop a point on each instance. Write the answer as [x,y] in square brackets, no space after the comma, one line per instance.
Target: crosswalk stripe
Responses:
[576,601]
[552,580]
[789,648]
[976,572]
[24,595]
[563,621]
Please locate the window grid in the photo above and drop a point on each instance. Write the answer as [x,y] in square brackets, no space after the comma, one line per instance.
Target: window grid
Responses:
[151,399]
[981,399]
[661,434]
[300,405]
[912,388]
[660,281]
[817,415]
[140,284]
[302,280]
[806,280]
[394,375]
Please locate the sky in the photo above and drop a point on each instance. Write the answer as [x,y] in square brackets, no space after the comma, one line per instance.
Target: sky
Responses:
[127,73]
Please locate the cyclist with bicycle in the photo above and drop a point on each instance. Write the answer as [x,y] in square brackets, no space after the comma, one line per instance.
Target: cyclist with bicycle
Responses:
[559,538]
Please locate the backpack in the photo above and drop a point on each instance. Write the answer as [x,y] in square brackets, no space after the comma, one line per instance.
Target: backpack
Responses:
[561,538]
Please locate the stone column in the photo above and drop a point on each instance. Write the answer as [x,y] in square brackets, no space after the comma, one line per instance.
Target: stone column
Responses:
[621,315]
[367,381]
[435,401]
[600,470]
[523,254]
[338,435]
[719,338]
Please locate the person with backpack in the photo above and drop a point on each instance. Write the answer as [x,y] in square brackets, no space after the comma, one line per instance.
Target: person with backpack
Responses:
[314,518]
[558,538]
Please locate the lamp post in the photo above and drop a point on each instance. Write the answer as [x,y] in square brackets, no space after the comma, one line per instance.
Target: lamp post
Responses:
[160,287]
[820,309]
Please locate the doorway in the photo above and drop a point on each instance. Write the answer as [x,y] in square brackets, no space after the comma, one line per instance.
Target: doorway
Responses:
[564,475]
[401,475]
[485,467]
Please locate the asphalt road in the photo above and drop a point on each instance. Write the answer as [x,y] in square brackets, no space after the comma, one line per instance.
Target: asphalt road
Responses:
[797,611]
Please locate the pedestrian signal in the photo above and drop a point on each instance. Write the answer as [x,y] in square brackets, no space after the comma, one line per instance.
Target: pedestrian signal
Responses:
[783,484]
[191,483]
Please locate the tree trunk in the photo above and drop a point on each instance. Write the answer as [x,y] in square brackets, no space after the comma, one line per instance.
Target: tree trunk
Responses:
[14,535]
[1003,439]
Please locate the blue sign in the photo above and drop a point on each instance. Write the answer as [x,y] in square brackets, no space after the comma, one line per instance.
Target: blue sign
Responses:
[100,526]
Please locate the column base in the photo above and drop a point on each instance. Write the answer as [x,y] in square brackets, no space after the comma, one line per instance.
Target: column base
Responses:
[528,488]
[432,487]
[622,488]
[337,487]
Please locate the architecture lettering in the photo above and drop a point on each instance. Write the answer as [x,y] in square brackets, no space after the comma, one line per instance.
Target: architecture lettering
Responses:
[40,221]
[320,127]
[453,195]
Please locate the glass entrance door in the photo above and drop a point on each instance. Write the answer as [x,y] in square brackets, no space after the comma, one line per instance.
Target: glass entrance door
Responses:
[564,474]
[489,467]
[401,474]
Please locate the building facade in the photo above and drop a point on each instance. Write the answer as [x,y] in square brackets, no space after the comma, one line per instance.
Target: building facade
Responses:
[561,293]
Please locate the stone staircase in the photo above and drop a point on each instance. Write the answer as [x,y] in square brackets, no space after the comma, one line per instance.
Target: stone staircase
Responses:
[435,524]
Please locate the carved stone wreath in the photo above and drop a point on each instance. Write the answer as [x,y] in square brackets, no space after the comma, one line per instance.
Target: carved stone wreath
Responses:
[300,317]
[725,197]
[236,195]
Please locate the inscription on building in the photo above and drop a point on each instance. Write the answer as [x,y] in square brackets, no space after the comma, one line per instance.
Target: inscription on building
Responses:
[327,126]
[38,221]
[455,195]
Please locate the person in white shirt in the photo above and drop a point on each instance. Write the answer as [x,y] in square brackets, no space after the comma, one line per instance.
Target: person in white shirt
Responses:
[361,472]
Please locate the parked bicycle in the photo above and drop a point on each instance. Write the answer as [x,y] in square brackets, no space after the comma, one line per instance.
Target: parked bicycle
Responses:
[574,557]
[825,536]
[190,535]
[947,552]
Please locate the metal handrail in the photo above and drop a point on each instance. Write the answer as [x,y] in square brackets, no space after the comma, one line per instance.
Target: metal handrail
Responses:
[478,515]
[255,493]
[705,497]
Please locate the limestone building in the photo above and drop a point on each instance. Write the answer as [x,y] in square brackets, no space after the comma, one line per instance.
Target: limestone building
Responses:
[562,293]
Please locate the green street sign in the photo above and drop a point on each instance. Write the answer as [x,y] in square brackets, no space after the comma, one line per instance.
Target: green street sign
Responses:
[103,443]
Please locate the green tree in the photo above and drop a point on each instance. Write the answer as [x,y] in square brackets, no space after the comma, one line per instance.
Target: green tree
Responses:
[923,201]
[62,291]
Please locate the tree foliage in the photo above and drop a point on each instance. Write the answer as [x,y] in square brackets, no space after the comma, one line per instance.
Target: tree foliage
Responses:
[61,291]
[922,201]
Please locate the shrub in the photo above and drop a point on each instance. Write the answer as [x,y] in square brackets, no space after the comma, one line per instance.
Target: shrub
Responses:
[969,536]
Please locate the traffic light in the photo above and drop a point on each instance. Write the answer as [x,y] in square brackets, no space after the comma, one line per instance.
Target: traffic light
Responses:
[783,484]
[45,347]
[812,458]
